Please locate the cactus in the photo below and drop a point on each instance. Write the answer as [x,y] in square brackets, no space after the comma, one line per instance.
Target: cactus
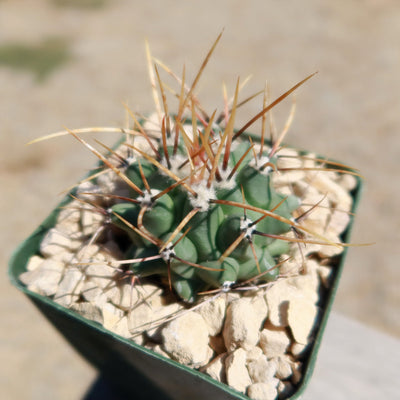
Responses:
[221,211]
[202,212]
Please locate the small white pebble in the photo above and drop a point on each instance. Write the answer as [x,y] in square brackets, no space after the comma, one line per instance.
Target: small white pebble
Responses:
[216,368]
[274,342]
[149,311]
[237,375]
[89,311]
[69,288]
[262,391]
[338,222]
[261,370]
[54,243]
[213,313]
[33,263]
[93,294]
[91,221]
[277,298]
[44,279]
[283,367]
[100,274]
[185,339]
[111,316]
[121,328]
[243,321]
[348,182]
[302,315]
[129,297]
[254,353]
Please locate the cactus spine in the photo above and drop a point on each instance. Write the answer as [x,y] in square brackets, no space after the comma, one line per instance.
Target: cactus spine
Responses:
[202,212]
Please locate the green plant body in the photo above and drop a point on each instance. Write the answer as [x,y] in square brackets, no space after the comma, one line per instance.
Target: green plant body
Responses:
[202,213]
[225,239]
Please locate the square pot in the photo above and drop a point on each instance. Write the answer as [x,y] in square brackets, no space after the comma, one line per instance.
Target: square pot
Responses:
[140,372]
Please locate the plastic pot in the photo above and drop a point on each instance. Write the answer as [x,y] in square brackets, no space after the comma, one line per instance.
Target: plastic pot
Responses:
[137,371]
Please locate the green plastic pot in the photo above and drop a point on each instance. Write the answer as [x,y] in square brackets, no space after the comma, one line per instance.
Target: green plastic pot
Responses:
[137,371]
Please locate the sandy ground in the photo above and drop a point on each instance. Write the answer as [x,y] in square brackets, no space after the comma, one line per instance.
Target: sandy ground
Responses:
[349,111]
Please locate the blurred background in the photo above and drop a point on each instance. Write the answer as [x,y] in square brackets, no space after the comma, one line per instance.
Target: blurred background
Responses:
[73,62]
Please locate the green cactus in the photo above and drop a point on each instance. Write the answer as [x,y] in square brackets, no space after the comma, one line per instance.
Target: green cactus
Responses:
[202,213]
[220,245]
